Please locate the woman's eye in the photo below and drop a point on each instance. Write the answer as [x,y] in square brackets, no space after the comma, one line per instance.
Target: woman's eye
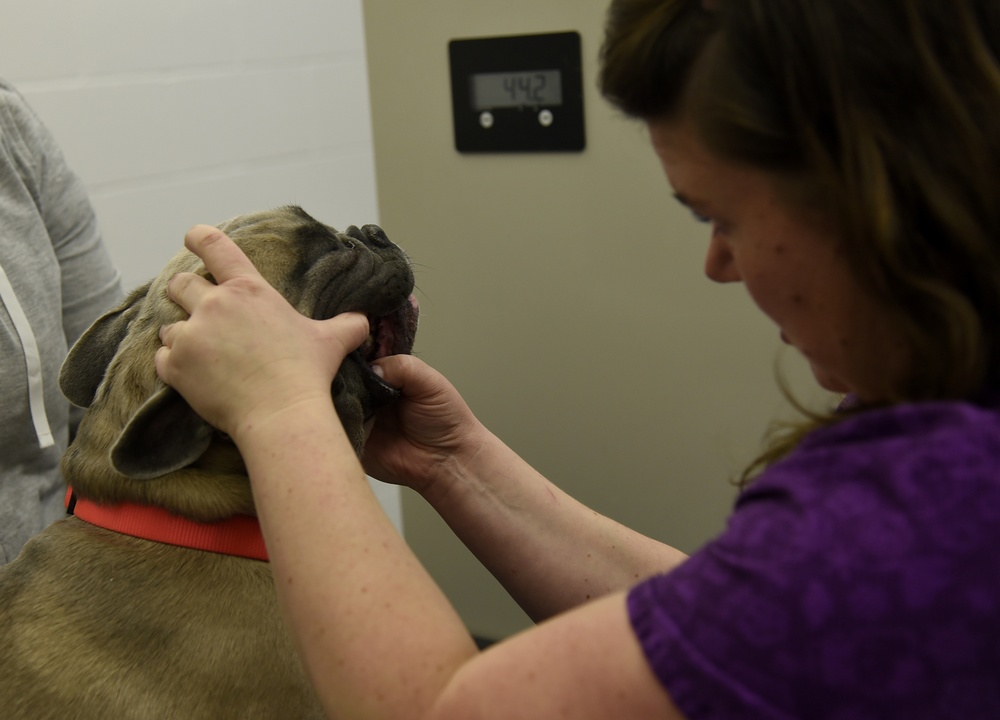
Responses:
[717,227]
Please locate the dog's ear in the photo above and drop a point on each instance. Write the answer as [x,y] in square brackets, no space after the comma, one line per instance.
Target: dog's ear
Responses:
[164,435]
[85,365]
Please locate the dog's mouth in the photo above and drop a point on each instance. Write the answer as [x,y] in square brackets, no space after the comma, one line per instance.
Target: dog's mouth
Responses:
[391,334]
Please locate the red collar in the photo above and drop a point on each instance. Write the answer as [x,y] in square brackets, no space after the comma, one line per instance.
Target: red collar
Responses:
[239,535]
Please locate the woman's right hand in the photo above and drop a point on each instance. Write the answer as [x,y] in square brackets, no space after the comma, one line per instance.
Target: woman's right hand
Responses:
[427,431]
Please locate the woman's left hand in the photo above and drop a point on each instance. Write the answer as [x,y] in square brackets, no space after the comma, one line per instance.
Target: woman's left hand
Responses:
[245,353]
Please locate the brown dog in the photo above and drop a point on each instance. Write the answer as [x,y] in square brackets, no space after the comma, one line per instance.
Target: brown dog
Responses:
[97,623]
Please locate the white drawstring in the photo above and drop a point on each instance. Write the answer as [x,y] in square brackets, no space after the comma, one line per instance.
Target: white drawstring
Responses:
[32,360]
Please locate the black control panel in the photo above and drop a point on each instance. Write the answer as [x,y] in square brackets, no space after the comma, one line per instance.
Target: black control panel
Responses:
[518,93]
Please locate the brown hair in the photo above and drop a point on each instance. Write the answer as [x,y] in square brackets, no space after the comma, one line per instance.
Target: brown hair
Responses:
[887,110]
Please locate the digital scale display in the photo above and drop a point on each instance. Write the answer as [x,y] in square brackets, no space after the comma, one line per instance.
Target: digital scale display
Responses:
[513,89]
[517,93]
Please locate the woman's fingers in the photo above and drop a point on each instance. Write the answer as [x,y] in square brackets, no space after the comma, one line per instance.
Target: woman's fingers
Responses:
[243,340]
[166,333]
[222,257]
[349,330]
[186,289]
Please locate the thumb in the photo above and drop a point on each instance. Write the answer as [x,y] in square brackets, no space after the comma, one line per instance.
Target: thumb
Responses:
[412,376]
[393,369]
[346,332]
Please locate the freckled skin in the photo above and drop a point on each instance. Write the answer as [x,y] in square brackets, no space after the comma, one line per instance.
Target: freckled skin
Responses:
[792,265]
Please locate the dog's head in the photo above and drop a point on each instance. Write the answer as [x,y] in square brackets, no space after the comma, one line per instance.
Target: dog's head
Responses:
[137,429]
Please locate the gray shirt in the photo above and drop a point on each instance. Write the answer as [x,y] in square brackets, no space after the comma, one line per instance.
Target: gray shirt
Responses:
[56,278]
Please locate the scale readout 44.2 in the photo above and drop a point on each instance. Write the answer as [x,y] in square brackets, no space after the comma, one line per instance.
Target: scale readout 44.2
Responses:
[518,93]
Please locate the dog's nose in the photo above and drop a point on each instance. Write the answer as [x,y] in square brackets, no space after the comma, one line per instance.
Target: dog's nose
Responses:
[376,236]
[354,233]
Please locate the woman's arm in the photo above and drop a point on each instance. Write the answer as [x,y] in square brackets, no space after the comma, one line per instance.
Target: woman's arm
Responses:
[358,599]
[378,638]
[549,551]
[376,635]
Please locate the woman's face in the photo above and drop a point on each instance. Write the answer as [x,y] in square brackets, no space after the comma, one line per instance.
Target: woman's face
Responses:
[791,264]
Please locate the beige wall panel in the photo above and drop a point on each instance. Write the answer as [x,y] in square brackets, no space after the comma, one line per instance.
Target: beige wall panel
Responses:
[563,294]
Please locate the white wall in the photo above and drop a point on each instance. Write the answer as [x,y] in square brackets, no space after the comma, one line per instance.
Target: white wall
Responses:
[176,113]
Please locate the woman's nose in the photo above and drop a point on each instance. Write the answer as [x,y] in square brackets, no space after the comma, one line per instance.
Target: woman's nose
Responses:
[720,265]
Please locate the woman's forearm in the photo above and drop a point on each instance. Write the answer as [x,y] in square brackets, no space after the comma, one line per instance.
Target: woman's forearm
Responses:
[549,551]
[348,583]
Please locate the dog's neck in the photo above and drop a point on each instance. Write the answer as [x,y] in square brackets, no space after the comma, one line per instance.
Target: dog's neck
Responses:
[239,535]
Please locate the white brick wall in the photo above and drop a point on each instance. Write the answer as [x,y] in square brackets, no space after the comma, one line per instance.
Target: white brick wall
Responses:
[190,111]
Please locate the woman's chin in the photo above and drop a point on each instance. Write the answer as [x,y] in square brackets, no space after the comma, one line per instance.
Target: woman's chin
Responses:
[828,381]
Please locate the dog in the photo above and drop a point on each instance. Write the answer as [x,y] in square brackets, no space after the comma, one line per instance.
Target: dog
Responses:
[99,623]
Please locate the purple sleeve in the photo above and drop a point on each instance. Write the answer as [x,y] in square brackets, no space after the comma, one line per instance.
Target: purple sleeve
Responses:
[855,580]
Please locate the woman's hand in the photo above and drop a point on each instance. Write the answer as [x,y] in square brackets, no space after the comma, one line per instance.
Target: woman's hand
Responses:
[429,427]
[245,354]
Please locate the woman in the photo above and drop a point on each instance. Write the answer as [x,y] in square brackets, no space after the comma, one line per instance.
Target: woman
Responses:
[846,156]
